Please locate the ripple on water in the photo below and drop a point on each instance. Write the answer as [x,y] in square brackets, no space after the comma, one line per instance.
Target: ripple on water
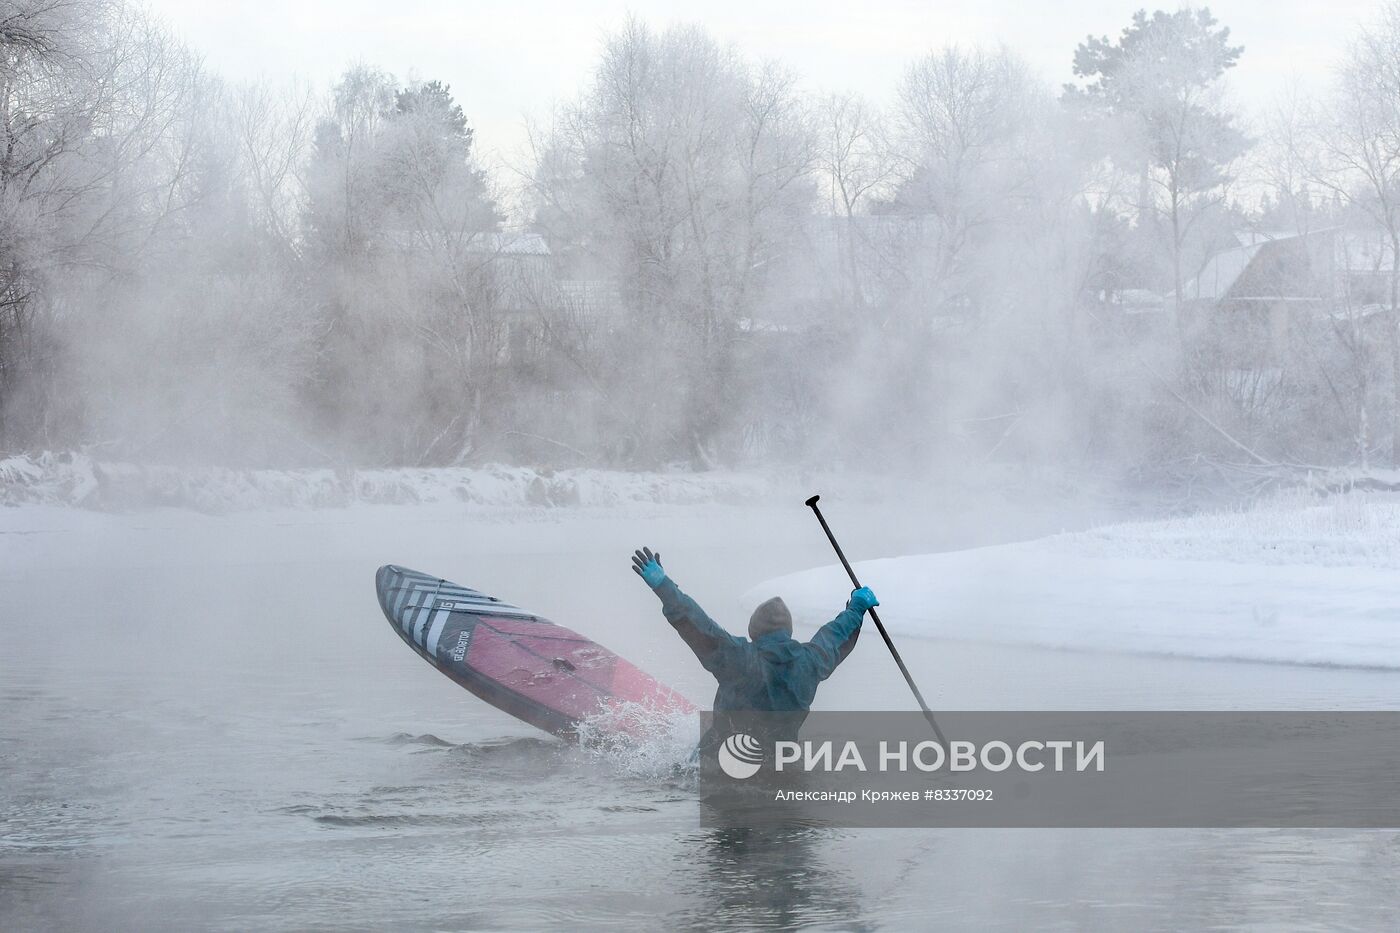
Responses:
[405,738]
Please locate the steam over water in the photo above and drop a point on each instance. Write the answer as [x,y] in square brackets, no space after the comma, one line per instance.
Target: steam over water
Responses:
[979,264]
[207,724]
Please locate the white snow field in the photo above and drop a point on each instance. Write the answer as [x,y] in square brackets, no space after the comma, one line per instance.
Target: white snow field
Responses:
[1295,581]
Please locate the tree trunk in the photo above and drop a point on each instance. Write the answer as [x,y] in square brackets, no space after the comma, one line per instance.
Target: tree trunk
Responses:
[857,299]
[1394,348]
[1176,275]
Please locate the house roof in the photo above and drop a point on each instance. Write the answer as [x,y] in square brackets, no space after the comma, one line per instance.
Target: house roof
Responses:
[1272,266]
[1222,271]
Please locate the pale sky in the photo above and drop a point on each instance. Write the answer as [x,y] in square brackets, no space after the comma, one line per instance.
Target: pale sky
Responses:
[509,60]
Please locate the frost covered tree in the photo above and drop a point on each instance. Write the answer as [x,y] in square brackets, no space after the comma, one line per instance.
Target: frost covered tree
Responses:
[682,174]
[990,264]
[271,131]
[1350,149]
[962,115]
[398,219]
[857,160]
[94,172]
[1160,93]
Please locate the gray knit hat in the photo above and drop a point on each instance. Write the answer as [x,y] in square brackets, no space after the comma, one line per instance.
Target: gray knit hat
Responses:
[771,616]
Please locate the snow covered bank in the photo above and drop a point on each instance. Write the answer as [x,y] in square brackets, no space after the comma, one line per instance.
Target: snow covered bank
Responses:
[1294,581]
[78,480]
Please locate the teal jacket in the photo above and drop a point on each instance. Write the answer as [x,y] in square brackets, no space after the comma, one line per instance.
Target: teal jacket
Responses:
[776,673]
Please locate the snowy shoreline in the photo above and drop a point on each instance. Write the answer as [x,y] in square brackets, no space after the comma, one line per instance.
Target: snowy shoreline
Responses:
[1290,581]
[77,480]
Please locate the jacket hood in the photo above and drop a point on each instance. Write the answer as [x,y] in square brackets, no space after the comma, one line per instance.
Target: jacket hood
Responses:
[772,615]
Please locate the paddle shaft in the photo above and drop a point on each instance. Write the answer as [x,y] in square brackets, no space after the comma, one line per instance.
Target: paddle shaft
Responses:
[875,617]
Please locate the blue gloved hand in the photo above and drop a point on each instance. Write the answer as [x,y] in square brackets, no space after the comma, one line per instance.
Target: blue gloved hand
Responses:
[862,600]
[648,566]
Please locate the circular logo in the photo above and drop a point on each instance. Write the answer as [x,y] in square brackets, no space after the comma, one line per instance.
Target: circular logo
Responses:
[740,756]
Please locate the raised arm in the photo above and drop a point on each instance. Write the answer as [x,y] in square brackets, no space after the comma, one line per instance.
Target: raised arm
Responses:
[705,637]
[834,640]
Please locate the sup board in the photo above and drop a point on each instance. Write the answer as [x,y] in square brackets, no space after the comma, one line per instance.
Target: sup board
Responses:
[545,674]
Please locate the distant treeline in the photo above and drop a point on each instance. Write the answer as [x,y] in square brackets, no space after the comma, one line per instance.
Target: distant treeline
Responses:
[701,261]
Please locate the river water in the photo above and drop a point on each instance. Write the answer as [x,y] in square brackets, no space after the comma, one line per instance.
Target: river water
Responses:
[205,723]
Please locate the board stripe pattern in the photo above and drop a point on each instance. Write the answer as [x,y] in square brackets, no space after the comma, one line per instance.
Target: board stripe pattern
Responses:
[420,604]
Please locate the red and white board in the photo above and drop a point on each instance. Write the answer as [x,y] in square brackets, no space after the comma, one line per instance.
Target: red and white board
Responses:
[545,674]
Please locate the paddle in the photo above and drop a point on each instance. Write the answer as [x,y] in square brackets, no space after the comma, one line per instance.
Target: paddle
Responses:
[928,713]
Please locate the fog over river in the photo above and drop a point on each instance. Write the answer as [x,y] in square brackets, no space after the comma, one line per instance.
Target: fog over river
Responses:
[208,723]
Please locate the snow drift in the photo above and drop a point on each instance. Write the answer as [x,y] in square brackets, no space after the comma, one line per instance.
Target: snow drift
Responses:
[1292,581]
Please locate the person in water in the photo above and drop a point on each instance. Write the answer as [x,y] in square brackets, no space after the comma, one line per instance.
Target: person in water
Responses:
[770,671]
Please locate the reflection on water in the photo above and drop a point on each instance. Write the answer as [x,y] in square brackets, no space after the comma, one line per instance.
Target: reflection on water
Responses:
[769,878]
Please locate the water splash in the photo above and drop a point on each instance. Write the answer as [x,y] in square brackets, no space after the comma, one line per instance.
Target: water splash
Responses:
[643,740]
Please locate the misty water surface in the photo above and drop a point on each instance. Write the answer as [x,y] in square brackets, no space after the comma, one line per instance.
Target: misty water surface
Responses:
[207,723]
